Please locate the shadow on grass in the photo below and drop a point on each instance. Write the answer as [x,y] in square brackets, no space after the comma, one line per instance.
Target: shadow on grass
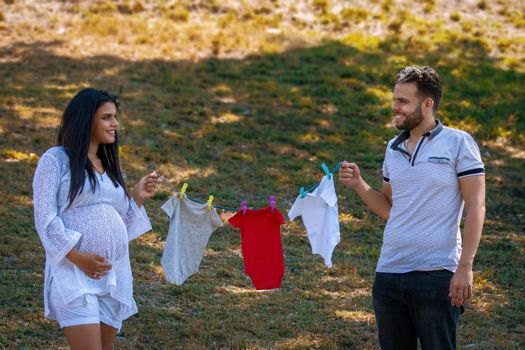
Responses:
[247,129]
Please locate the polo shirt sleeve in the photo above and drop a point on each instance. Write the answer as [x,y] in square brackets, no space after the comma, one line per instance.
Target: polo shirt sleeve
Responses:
[469,158]
[386,175]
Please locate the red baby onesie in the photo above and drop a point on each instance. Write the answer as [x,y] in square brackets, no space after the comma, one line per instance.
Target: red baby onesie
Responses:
[262,249]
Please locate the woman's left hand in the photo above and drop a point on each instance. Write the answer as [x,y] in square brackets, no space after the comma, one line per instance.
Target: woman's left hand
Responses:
[146,188]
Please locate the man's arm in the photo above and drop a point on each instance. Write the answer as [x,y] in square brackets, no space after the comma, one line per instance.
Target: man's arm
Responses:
[379,202]
[473,193]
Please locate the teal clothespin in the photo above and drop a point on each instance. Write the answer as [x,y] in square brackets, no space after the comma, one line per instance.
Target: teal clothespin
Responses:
[326,170]
[302,192]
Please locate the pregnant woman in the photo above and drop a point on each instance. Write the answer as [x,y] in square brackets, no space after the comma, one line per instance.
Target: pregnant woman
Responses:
[85,218]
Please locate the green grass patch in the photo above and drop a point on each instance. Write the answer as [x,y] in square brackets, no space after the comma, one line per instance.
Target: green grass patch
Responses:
[243,103]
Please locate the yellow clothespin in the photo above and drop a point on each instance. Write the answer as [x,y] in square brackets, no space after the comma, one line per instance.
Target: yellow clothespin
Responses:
[183,190]
[210,200]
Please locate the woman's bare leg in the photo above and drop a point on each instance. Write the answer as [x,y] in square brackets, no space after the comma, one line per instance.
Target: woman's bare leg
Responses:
[84,337]
[108,336]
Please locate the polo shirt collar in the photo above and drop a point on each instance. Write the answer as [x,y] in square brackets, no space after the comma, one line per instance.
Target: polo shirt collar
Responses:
[434,132]
[406,134]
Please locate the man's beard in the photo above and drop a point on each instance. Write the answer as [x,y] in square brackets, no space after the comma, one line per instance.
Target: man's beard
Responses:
[411,120]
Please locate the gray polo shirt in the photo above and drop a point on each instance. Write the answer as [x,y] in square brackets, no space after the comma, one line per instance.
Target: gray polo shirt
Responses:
[422,232]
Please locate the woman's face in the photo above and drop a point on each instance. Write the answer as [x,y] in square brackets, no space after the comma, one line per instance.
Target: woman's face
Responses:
[105,124]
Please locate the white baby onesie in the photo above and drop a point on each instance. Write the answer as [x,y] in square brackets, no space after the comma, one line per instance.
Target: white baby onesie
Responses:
[191,225]
[320,217]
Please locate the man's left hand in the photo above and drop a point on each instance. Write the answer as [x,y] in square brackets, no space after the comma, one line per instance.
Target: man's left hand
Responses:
[461,286]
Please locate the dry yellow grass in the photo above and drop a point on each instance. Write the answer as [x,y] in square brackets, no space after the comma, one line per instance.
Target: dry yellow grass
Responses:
[246,99]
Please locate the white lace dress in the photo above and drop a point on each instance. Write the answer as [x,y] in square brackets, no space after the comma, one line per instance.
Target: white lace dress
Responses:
[101,223]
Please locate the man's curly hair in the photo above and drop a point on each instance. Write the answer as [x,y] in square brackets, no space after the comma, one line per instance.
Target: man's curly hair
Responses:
[426,79]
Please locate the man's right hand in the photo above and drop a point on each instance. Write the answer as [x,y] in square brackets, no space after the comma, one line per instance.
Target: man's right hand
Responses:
[349,174]
[93,265]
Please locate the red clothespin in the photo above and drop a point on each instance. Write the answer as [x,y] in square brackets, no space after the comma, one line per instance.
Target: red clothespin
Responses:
[244,207]
[272,203]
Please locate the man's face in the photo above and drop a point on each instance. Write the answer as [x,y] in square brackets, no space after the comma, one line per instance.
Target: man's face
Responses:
[407,106]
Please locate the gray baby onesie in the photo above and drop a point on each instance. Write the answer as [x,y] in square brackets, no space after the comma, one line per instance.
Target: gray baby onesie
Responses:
[191,225]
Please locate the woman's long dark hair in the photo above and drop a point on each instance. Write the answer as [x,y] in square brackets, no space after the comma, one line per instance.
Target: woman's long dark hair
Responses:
[75,136]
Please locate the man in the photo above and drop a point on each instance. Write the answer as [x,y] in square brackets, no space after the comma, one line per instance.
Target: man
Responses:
[430,171]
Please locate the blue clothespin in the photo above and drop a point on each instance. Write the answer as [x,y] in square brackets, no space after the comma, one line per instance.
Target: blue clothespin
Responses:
[244,207]
[272,203]
[302,192]
[326,170]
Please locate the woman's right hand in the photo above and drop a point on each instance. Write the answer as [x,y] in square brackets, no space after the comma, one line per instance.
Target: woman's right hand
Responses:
[93,265]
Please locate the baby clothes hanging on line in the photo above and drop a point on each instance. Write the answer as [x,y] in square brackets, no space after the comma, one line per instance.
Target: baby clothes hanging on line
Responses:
[261,245]
[191,225]
[320,217]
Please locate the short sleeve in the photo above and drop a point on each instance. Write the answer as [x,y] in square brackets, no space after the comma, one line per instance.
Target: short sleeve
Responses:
[328,192]
[296,209]
[236,219]
[216,221]
[279,217]
[386,173]
[168,207]
[469,158]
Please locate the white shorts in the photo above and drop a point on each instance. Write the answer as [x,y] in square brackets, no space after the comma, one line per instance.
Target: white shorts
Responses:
[86,309]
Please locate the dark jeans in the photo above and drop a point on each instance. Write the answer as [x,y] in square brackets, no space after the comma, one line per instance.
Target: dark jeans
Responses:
[415,305]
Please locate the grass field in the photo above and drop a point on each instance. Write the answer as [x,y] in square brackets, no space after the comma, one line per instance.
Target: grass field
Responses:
[243,100]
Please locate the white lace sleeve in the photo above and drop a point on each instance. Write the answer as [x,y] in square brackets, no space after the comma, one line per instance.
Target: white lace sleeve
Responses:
[136,220]
[56,239]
